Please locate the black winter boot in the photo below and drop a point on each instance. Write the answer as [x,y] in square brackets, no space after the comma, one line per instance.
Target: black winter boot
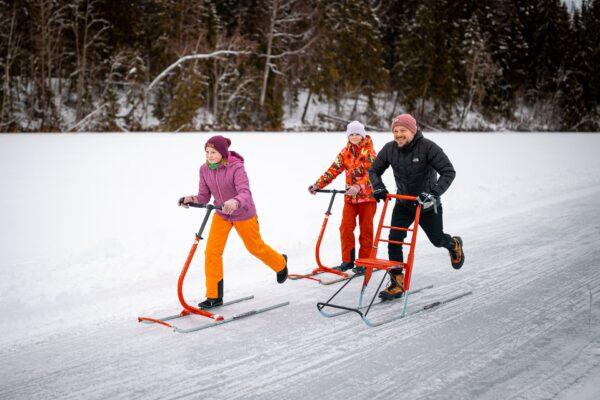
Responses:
[344,266]
[210,303]
[358,270]
[283,274]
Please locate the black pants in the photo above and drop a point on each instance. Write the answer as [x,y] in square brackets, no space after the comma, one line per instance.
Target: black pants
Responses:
[432,224]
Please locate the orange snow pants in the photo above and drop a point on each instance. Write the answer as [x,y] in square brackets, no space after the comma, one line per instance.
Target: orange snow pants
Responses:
[217,238]
[365,212]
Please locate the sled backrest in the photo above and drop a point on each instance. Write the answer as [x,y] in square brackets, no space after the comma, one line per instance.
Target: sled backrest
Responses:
[413,229]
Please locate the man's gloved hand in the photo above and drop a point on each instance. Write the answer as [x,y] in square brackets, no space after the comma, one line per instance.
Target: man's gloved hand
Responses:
[313,189]
[380,194]
[427,200]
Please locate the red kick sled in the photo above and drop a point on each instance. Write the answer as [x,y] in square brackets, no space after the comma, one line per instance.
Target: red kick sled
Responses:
[321,269]
[190,310]
[373,263]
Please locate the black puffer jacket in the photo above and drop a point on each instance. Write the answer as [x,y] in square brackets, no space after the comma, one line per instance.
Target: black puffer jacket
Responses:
[416,167]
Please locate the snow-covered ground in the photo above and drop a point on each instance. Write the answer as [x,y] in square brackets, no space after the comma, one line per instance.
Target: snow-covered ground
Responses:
[91,237]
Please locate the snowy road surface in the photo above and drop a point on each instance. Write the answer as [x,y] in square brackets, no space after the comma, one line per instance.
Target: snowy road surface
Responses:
[91,238]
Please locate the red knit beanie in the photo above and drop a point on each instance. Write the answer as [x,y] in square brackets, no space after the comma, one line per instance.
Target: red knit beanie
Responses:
[407,121]
[221,144]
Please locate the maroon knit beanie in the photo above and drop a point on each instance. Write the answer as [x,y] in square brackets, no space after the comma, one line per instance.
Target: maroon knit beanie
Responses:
[407,121]
[221,144]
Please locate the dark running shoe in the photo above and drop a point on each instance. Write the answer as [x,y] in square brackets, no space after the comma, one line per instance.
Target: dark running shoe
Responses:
[344,266]
[358,270]
[283,274]
[457,256]
[210,303]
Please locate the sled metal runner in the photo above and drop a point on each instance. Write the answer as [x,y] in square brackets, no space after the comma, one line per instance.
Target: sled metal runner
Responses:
[321,269]
[216,319]
[372,264]
[360,308]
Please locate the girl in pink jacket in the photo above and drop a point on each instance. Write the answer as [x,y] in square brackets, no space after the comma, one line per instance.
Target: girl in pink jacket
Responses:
[224,178]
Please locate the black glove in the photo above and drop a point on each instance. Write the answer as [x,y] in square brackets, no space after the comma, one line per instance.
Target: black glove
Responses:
[184,201]
[380,194]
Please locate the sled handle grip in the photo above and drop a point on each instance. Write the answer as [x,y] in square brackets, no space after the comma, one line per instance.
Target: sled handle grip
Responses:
[329,191]
[208,206]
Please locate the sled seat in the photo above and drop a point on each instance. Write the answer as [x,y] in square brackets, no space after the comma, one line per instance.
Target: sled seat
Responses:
[378,263]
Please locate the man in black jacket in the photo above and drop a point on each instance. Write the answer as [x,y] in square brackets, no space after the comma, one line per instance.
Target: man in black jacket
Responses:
[416,163]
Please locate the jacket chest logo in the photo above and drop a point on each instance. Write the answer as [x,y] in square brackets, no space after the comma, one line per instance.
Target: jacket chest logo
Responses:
[415,160]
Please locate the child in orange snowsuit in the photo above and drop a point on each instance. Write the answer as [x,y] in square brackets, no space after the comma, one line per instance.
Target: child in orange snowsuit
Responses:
[356,159]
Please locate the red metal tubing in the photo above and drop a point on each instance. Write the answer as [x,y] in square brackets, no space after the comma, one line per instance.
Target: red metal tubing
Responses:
[402,197]
[319,240]
[156,321]
[397,228]
[411,255]
[395,242]
[379,226]
[186,306]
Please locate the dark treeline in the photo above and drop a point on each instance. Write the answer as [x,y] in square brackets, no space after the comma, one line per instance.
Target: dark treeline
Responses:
[103,65]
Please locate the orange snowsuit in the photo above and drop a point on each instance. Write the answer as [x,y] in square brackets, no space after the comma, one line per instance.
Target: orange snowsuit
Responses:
[356,161]
[217,238]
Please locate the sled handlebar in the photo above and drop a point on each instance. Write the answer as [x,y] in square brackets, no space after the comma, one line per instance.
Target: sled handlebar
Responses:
[329,191]
[435,201]
[402,197]
[207,206]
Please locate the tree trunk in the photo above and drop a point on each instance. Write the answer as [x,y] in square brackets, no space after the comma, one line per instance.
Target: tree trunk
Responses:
[306,106]
[215,93]
[355,105]
[467,107]
[395,105]
[263,92]
[11,50]
[42,47]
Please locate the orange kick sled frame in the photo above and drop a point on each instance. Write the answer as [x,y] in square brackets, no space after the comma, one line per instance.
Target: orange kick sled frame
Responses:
[321,269]
[373,263]
[191,310]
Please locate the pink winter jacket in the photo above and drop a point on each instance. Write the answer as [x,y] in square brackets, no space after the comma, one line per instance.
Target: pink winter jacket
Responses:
[227,182]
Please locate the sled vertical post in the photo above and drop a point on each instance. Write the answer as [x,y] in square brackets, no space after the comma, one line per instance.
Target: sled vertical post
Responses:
[411,255]
[321,269]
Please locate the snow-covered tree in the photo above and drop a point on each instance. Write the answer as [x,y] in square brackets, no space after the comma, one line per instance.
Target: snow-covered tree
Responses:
[88,30]
[10,39]
[481,71]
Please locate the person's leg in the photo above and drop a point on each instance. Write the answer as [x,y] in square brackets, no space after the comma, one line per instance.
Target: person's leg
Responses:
[347,232]
[213,261]
[433,225]
[250,233]
[366,213]
[402,217]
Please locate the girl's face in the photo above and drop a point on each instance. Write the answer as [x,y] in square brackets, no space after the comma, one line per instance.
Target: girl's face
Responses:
[355,138]
[212,155]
